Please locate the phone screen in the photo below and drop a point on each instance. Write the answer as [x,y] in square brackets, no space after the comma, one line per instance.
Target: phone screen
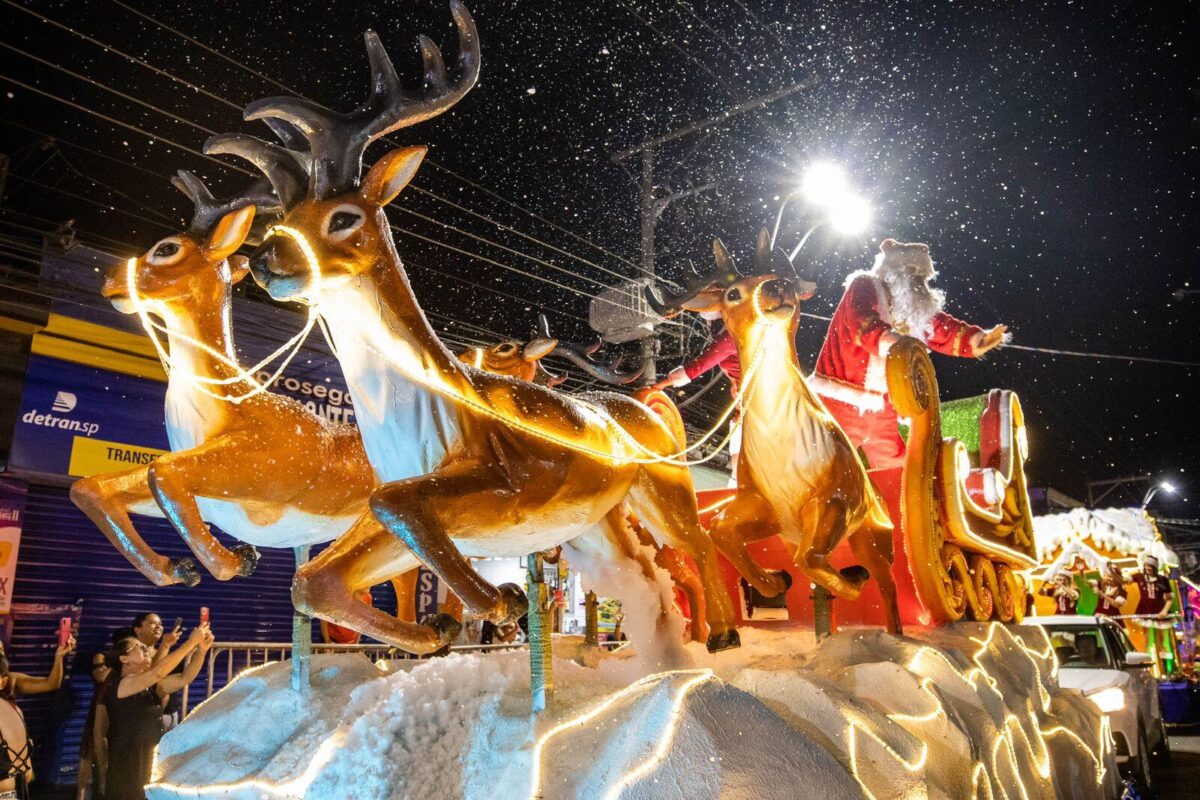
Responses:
[178,623]
[203,615]
[64,631]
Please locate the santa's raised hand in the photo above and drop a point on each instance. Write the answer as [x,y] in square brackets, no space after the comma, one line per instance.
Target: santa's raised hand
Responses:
[983,341]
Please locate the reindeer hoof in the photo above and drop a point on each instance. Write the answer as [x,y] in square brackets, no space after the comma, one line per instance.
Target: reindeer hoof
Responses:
[513,604]
[856,575]
[249,557]
[184,571]
[726,640]
[447,627]
[786,577]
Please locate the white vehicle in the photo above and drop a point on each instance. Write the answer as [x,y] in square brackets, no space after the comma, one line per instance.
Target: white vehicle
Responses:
[1096,657]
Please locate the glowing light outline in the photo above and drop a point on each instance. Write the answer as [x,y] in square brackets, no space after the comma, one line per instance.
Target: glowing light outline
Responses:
[144,309]
[535,778]
[455,395]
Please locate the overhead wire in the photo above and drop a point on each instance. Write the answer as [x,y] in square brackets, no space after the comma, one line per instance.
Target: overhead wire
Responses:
[429,161]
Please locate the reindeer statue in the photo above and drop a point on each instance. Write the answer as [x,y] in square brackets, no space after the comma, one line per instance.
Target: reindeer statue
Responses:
[473,464]
[261,466]
[798,476]
[524,361]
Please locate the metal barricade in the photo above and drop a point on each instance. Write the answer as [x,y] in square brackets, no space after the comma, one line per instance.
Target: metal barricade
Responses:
[240,656]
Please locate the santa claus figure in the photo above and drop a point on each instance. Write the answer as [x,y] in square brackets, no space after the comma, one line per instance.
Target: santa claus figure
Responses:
[890,300]
[1111,588]
[1064,592]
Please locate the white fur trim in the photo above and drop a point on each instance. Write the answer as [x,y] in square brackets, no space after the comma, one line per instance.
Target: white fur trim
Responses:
[862,399]
[875,381]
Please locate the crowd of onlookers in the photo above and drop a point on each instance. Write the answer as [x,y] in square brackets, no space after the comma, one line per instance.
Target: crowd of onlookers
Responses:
[136,700]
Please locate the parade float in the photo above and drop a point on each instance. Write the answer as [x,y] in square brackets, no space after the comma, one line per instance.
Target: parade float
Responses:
[1112,561]
[472,461]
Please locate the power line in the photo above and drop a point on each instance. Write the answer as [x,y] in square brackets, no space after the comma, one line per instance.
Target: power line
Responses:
[448,171]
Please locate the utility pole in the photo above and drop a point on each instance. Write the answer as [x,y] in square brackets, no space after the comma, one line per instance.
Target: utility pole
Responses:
[652,205]
[3,175]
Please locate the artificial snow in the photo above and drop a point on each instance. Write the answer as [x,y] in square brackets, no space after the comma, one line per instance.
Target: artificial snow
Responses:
[971,710]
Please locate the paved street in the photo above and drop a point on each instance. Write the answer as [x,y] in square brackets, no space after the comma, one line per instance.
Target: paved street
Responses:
[1181,780]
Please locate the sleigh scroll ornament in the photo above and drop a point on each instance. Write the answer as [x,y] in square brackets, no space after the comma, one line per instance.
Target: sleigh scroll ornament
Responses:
[968,527]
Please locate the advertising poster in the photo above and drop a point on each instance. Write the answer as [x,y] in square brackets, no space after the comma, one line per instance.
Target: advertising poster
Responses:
[12,510]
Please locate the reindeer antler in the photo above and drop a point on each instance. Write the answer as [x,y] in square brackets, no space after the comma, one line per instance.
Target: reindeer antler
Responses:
[208,211]
[337,140]
[723,273]
[581,356]
[286,169]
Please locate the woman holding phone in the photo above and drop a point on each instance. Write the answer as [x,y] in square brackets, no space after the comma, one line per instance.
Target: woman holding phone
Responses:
[135,708]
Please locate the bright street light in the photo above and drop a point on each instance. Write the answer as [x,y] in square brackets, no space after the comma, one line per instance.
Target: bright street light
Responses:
[1162,486]
[823,183]
[849,213]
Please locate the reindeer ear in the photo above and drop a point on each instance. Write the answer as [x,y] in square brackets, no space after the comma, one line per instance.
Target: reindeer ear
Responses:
[724,260]
[887,245]
[230,232]
[762,248]
[239,267]
[538,348]
[391,174]
[708,300]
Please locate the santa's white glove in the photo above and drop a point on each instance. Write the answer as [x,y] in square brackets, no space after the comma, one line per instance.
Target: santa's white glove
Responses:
[886,340]
[679,377]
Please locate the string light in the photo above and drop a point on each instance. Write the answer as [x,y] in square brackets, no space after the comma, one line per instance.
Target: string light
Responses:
[587,716]
[418,374]
[145,308]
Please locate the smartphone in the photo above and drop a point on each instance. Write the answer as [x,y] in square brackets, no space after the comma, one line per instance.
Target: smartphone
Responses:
[64,631]
[178,624]
[203,615]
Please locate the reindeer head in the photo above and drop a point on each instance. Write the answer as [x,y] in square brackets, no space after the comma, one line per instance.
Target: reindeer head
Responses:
[196,264]
[746,302]
[340,219]
[517,360]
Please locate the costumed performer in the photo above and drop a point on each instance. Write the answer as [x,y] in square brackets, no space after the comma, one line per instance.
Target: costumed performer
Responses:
[1111,588]
[1064,592]
[1155,598]
[890,300]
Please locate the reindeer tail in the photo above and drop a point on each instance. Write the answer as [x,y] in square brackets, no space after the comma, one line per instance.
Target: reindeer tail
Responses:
[662,405]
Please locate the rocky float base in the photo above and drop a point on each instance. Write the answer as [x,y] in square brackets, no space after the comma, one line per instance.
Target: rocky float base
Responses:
[967,711]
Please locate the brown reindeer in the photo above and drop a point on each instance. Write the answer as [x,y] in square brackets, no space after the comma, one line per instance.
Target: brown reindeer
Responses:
[261,466]
[524,361]
[473,464]
[798,475]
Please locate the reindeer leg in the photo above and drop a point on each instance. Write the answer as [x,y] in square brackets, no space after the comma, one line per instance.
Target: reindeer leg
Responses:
[748,519]
[818,542]
[328,587]
[221,468]
[420,511]
[107,500]
[663,499]
[681,572]
[873,548]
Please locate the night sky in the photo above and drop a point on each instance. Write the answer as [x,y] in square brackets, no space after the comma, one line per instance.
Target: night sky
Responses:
[1046,151]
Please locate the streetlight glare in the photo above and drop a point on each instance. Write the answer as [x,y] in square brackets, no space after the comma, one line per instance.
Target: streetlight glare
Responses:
[850,214]
[823,183]
[1166,486]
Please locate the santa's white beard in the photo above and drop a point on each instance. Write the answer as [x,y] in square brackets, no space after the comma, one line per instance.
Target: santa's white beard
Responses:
[913,303]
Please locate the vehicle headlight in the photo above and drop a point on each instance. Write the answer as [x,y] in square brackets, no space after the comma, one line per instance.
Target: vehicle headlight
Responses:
[1109,700]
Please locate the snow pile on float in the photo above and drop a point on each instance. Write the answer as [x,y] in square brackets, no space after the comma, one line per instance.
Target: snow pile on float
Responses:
[972,710]
[1126,531]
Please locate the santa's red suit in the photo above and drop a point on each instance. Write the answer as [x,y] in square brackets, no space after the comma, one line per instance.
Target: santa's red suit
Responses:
[720,352]
[851,375]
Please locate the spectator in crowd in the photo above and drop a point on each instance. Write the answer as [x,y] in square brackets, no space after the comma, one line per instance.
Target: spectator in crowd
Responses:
[19,683]
[93,746]
[135,706]
[15,769]
[148,628]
